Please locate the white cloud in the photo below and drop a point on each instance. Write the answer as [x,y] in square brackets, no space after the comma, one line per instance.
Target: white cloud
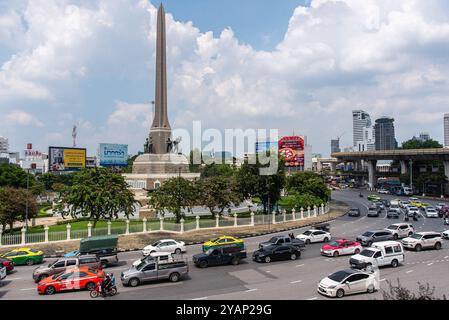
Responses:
[388,57]
[22,118]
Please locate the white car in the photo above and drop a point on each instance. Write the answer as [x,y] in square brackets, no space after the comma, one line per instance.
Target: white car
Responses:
[166,245]
[2,272]
[313,235]
[383,191]
[440,206]
[403,203]
[401,230]
[347,282]
[158,257]
[431,212]
[411,211]
[445,234]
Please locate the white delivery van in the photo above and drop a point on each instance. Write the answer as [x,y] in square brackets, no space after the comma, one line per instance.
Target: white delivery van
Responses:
[384,253]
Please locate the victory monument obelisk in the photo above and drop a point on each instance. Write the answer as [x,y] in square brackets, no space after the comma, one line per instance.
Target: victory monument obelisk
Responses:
[159,161]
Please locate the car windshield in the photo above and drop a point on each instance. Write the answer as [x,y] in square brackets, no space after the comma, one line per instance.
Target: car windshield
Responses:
[216,240]
[156,243]
[273,240]
[57,275]
[416,236]
[367,253]
[307,233]
[392,227]
[367,234]
[210,251]
[339,276]
[335,244]
[372,209]
[141,265]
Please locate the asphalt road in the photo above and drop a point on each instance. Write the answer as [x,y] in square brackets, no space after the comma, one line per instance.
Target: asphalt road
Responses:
[277,280]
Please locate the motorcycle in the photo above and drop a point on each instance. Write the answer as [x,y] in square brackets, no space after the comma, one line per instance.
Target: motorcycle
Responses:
[446,221]
[415,217]
[361,195]
[112,291]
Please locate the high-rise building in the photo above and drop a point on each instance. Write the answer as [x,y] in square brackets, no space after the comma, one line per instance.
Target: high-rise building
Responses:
[384,134]
[4,145]
[446,130]
[360,121]
[335,146]
[424,136]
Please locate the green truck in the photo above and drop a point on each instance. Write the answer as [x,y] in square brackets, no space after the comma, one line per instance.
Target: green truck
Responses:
[104,247]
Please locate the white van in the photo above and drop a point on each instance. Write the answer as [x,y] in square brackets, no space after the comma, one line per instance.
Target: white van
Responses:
[384,253]
[160,257]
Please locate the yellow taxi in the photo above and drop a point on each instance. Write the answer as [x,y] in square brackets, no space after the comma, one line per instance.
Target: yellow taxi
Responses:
[24,256]
[223,241]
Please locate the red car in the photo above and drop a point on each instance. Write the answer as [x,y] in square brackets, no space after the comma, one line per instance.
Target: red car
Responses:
[8,264]
[71,279]
[341,247]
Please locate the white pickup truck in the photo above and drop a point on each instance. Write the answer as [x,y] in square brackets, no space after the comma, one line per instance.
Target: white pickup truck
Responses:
[385,253]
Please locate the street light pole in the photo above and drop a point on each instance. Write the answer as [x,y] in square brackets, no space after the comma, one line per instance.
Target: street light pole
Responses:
[26,200]
[411,174]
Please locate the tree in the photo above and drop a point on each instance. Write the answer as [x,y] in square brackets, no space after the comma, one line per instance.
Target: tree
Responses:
[307,182]
[419,144]
[195,160]
[214,170]
[14,176]
[13,203]
[50,179]
[174,195]
[398,292]
[299,201]
[219,193]
[97,194]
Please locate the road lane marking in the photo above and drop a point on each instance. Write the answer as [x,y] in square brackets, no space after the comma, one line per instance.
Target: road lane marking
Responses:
[268,271]
[409,271]
[202,298]
[27,289]
[429,264]
[250,290]
[446,257]
[13,279]
[382,280]
[314,298]
[298,281]
[299,265]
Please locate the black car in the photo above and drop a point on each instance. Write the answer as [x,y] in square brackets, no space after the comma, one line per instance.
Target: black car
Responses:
[276,253]
[219,256]
[354,212]
[386,203]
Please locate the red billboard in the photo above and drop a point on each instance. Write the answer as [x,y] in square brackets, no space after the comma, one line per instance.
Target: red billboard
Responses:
[292,149]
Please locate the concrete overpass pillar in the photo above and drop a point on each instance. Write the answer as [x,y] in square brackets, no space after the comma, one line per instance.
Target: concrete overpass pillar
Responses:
[333,166]
[372,180]
[319,166]
[358,165]
[446,172]
[404,166]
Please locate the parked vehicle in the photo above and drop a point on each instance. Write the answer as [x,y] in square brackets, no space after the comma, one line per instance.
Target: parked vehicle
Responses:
[223,241]
[104,247]
[62,264]
[153,271]
[445,234]
[3,272]
[282,240]
[369,237]
[354,212]
[431,212]
[400,230]
[423,240]
[276,253]
[341,247]
[165,245]
[8,264]
[392,214]
[385,253]
[24,256]
[374,211]
[71,279]
[314,235]
[159,257]
[219,256]
[346,282]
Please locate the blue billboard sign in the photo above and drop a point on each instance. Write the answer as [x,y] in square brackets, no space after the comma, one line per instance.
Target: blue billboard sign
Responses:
[113,155]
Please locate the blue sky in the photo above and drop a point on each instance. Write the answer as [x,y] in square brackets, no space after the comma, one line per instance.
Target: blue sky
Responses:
[284,65]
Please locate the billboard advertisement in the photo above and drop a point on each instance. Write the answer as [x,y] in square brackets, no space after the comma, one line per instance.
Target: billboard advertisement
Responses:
[66,159]
[292,149]
[266,146]
[113,155]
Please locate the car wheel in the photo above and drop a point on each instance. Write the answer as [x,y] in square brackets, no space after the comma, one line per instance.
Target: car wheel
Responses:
[340,293]
[203,264]
[174,277]
[178,251]
[418,247]
[336,254]
[357,251]
[293,256]
[437,246]
[395,237]
[326,239]
[42,277]
[308,241]
[29,262]
[371,288]
[134,282]
[370,243]
[394,263]
[410,233]
[50,290]
[104,264]
[267,259]
[91,286]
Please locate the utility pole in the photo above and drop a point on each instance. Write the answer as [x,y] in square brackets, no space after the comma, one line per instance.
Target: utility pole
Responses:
[26,200]
[411,174]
